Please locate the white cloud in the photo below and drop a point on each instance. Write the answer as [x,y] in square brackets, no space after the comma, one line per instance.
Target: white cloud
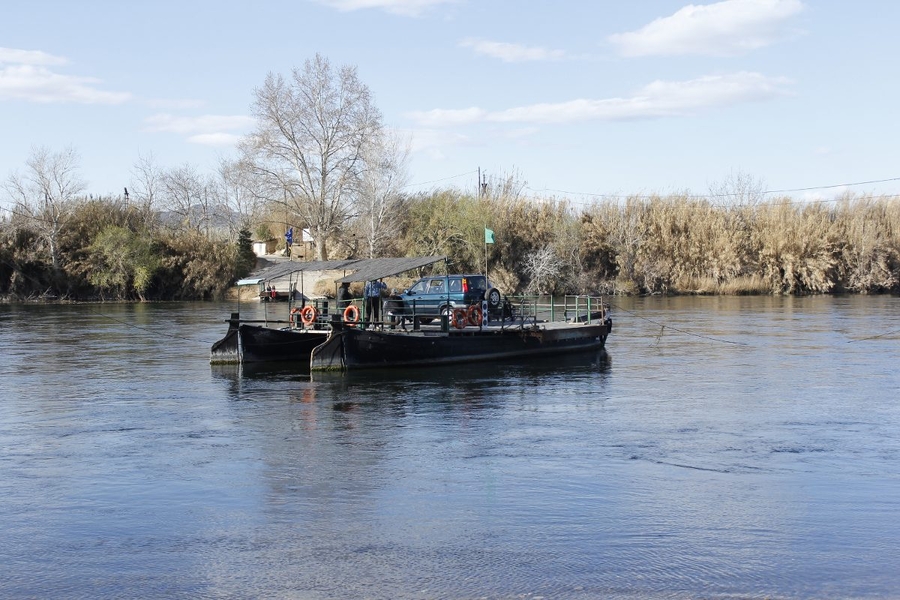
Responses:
[658,99]
[511,52]
[721,29]
[409,8]
[210,130]
[29,57]
[38,84]
[24,75]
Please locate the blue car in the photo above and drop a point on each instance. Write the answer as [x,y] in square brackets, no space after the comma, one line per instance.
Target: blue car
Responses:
[437,295]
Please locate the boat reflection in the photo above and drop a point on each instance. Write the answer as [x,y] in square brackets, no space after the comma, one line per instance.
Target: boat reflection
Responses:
[591,362]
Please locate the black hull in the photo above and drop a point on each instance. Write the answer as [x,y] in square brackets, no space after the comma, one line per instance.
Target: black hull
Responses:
[361,349]
[227,350]
[252,343]
[262,344]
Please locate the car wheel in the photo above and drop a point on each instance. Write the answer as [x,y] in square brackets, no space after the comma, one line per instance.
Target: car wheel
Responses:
[493,297]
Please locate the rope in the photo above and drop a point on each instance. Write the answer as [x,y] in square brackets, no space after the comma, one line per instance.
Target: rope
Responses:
[156,333]
[663,327]
[874,337]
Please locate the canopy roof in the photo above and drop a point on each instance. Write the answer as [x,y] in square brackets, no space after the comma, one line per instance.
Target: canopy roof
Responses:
[364,269]
[376,268]
[249,281]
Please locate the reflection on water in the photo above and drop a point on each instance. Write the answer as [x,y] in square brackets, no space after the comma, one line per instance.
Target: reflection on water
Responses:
[747,449]
[594,361]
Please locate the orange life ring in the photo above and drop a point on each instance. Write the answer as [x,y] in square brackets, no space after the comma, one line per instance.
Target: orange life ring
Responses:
[474,315]
[351,315]
[295,312]
[308,314]
[458,318]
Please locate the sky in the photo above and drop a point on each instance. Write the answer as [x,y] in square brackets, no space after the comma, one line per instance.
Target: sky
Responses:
[573,99]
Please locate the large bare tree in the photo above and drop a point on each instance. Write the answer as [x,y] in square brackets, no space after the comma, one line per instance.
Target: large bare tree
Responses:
[307,149]
[46,193]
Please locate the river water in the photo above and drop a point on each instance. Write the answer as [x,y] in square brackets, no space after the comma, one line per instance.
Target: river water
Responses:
[719,448]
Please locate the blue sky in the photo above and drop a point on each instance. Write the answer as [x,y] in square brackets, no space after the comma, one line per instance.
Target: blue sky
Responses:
[577,99]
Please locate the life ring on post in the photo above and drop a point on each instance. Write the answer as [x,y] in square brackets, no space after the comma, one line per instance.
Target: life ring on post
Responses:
[458,318]
[351,315]
[474,315]
[308,314]
[295,316]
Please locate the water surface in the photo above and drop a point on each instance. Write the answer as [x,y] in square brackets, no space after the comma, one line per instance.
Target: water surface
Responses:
[720,448]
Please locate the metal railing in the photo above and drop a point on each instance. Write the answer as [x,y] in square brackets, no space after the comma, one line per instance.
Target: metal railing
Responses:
[574,308]
[514,311]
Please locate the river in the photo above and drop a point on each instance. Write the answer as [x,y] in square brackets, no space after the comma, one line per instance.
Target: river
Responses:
[719,448]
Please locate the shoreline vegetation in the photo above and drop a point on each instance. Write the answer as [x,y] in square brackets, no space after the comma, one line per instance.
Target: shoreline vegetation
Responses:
[321,164]
[107,249]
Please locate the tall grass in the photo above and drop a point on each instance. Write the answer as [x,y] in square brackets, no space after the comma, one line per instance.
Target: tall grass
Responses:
[675,244]
[681,244]
[869,230]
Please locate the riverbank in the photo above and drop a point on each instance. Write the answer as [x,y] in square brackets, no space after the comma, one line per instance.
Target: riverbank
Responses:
[675,244]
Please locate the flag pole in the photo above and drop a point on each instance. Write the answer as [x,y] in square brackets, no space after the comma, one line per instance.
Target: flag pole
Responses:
[485,252]
[488,239]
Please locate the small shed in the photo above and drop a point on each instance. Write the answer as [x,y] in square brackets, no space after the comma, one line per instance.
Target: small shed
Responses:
[261,248]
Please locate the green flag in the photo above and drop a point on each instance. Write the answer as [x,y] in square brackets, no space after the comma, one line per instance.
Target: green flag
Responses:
[488,236]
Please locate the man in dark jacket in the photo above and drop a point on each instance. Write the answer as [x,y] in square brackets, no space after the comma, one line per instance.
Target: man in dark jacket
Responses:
[344,296]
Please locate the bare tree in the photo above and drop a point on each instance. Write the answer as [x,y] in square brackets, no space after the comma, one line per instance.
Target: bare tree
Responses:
[146,182]
[309,141]
[379,201]
[739,189]
[45,195]
[626,233]
[237,204]
[741,193]
[544,266]
[506,187]
[184,194]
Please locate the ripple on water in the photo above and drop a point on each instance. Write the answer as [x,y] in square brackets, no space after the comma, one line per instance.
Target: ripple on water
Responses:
[672,467]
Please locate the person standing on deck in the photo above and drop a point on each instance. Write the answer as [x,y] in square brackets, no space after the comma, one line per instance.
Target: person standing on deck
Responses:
[344,296]
[373,292]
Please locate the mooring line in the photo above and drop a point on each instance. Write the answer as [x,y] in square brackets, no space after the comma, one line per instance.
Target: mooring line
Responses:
[875,337]
[150,331]
[663,327]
